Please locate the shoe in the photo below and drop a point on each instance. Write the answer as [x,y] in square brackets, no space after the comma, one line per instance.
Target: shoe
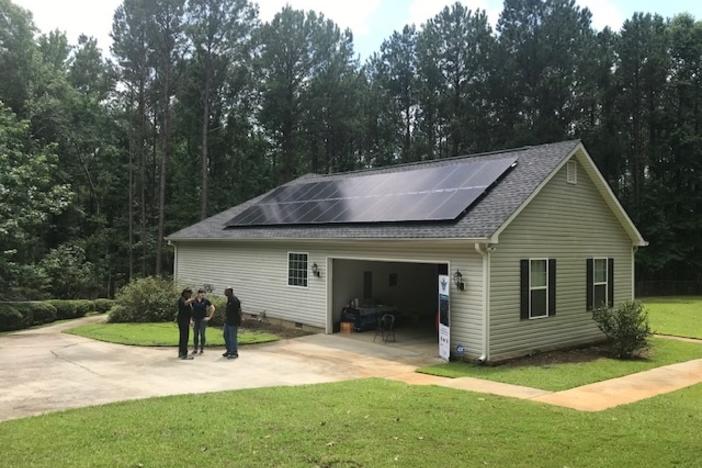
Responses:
[232,356]
[201,351]
[186,358]
[194,352]
[225,355]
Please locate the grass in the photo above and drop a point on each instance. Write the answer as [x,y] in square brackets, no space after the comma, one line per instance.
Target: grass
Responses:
[560,376]
[358,423]
[676,315]
[159,334]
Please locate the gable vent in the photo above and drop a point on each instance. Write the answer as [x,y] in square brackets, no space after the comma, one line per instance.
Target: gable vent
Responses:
[572,172]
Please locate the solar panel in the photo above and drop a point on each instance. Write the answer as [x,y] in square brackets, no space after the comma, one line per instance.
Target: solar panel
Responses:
[417,194]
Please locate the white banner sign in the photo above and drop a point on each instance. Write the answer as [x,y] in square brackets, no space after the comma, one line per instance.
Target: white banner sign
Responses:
[444,325]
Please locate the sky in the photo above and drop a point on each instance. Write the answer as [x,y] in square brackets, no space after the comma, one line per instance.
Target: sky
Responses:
[370,20]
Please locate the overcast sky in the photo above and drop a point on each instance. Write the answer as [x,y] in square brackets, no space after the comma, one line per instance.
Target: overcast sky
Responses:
[370,20]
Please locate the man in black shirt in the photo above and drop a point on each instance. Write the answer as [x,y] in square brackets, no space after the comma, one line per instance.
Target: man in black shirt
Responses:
[232,321]
[185,314]
[203,310]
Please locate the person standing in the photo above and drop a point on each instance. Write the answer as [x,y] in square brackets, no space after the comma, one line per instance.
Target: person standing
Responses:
[185,314]
[232,321]
[203,310]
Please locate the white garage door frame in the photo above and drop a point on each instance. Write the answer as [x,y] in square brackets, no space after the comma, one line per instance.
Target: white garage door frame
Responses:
[329,329]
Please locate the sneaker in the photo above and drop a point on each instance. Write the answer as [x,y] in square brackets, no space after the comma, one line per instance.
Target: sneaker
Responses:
[225,355]
[194,352]
[232,356]
[201,351]
[186,358]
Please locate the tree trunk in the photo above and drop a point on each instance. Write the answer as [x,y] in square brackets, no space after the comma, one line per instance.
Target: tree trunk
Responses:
[141,137]
[130,209]
[164,165]
[205,128]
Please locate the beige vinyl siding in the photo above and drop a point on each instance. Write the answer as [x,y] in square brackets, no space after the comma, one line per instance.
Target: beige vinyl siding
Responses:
[258,272]
[568,222]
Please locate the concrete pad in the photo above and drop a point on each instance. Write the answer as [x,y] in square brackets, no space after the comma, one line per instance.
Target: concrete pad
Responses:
[43,369]
[629,388]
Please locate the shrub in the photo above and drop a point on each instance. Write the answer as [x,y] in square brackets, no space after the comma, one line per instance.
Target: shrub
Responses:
[145,300]
[103,305]
[220,304]
[83,306]
[626,327]
[10,318]
[118,313]
[35,313]
[65,309]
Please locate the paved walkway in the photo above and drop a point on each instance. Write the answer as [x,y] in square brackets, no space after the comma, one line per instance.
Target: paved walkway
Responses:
[629,388]
[44,370]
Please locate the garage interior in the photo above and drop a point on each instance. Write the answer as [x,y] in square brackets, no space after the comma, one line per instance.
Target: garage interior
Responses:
[365,290]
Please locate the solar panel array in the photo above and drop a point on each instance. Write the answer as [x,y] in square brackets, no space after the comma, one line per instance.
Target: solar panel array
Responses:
[417,194]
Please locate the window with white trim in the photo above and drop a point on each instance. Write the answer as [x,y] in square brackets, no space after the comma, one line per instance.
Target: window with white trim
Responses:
[538,288]
[572,172]
[600,286]
[297,269]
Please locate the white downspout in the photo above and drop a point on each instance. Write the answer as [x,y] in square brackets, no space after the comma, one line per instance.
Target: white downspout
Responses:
[484,250]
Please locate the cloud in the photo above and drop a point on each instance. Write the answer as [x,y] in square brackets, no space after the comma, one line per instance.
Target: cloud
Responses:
[355,15]
[422,10]
[604,13]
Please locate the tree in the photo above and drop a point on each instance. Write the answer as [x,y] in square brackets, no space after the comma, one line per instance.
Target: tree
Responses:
[166,45]
[29,193]
[220,32]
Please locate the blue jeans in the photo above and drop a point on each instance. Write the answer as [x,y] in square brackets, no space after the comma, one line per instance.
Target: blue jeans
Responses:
[199,327]
[230,339]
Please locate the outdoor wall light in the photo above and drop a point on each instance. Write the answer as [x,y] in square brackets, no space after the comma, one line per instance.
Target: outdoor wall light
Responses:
[458,280]
[315,270]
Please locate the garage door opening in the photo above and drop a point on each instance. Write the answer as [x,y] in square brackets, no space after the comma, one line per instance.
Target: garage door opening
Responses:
[365,290]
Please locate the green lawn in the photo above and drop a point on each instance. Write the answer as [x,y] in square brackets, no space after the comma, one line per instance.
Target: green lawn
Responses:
[358,423]
[160,334]
[560,376]
[677,315]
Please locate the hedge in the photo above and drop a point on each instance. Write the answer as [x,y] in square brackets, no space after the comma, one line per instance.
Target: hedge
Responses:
[18,315]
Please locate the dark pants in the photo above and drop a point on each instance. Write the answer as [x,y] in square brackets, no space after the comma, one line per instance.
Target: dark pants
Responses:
[199,327]
[184,330]
[230,339]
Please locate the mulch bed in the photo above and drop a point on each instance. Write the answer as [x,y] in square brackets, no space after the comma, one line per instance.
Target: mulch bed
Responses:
[282,331]
[562,356]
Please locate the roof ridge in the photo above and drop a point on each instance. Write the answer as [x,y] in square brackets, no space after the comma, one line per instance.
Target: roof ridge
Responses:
[430,161]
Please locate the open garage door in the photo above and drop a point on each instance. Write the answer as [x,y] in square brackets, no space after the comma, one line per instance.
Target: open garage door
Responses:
[363,291]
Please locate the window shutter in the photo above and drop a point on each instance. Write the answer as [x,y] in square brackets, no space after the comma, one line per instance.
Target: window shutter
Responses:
[524,289]
[551,287]
[588,283]
[610,282]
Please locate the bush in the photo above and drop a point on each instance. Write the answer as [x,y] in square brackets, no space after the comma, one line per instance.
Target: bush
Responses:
[220,304]
[118,313]
[65,309]
[10,318]
[35,313]
[145,300]
[69,272]
[626,327]
[83,306]
[103,305]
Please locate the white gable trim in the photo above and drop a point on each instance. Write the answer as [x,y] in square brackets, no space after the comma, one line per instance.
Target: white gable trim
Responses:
[602,187]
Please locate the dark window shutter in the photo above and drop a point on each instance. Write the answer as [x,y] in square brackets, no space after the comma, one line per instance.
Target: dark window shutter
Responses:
[610,282]
[524,289]
[588,283]
[551,286]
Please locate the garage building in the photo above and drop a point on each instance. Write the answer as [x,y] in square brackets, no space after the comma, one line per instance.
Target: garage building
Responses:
[530,240]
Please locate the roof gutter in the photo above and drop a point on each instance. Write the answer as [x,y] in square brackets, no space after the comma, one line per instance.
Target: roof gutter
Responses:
[337,239]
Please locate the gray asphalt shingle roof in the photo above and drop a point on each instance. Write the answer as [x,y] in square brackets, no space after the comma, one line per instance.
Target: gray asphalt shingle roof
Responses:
[535,163]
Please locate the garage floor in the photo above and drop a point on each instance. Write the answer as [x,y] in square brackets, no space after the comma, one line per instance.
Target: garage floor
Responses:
[413,341]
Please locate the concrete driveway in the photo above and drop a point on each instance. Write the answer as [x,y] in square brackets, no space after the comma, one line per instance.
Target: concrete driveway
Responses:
[44,369]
